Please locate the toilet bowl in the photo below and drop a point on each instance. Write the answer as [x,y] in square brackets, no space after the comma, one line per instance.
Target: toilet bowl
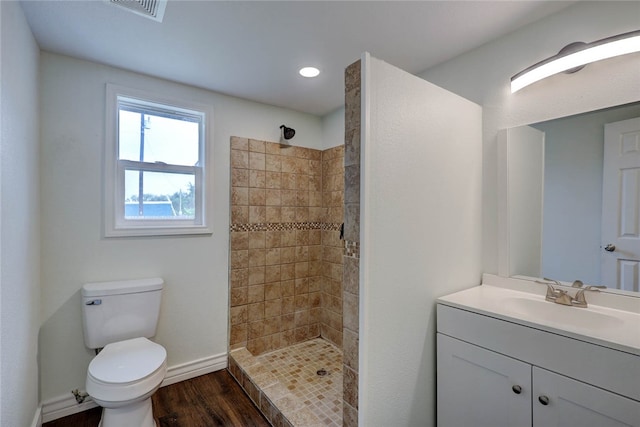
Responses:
[118,317]
[122,378]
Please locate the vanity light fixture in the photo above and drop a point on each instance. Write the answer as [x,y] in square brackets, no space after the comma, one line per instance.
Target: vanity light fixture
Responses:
[575,56]
[309,72]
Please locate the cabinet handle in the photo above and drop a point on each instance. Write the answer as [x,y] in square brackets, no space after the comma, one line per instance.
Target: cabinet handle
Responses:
[516,389]
[544,400]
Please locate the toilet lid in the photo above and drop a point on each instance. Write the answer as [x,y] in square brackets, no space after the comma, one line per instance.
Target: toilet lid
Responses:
[127,361]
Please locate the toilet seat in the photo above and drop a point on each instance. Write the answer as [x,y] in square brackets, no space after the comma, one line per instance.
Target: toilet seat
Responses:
[126,370]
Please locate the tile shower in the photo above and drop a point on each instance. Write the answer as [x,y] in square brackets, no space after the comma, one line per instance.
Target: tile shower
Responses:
[290,313]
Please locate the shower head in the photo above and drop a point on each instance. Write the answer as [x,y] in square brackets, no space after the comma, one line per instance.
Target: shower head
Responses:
[287,133]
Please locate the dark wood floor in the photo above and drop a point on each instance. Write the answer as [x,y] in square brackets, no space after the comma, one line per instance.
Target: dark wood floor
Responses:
[210,400]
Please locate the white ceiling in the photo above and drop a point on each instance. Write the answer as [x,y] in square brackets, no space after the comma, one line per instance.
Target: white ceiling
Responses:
[253,50]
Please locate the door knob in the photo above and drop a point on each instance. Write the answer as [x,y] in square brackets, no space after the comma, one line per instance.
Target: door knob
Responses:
[543,400]
[610,247]
[516,389]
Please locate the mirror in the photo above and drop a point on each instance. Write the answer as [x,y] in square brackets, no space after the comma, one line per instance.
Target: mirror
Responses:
[551,192]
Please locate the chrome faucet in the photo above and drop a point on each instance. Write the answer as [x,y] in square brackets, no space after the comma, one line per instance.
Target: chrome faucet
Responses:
[560,296]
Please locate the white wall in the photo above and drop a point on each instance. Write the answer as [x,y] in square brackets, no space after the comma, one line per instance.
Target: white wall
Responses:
[483,76]
[194,315]
[19,219]
[333,129]
[420,234]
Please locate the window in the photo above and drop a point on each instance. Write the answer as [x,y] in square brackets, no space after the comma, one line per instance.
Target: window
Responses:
[156,165]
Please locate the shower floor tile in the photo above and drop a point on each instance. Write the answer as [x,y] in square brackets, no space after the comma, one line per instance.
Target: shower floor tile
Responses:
[290,378]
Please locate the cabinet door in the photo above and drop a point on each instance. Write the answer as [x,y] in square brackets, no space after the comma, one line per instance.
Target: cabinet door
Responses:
[573,403]
[481,388]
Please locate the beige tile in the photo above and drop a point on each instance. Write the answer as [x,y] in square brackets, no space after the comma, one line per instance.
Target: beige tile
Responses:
[239,177]
[302,237]
[351,275]
[288,254]
[350,312]
[352,146]
[273,291]
[256,275]
[315,183]
[351,345]
[273,197]
[272,273]
[256,239]
[350,387]
[288,305]
[255,311]
[238,296]
[273,163]
[302,214]
[239,259]
[239,159]
[302,302]
[288,214]
[301,286]
[272,256]
[239,240]
[302,198]
[238,314]
[239,278]
[288,198]
[273,308]
[257,146]
[315,238]
[288,181]
[238,334]
[239,214]
[289,237]
[302,181]
[257,214]
[257,197]
[239,196]
[273,239]
[288,271]
[257,178]
[272,180]
[255,294]
[301,270]
[272,148]
[256,330]
[238,143]
[288,165]
[257,257]
[288,288]
[349,416]
[257,161]
[301,253]
[273,214]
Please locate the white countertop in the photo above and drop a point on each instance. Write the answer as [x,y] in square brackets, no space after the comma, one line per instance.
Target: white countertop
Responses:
[605,326]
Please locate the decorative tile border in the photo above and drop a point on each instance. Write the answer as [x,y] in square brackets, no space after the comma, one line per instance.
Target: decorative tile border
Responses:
[351,249]
[274,226]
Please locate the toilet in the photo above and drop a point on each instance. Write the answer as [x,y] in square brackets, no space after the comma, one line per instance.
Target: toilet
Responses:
[119,317]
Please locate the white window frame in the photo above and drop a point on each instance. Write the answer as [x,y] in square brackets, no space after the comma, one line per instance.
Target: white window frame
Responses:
[115,223]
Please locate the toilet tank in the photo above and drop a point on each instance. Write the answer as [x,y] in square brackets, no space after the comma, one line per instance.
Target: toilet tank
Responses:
[116,311]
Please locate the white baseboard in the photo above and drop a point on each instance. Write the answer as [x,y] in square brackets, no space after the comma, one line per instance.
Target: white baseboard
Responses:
[37,418]
[195,368]
[66,404]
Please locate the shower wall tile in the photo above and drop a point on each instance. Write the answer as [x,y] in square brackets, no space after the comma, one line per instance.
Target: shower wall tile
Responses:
[280,214]
[351,246]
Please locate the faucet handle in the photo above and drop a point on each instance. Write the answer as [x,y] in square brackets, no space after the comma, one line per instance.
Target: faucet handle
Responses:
[580,300]
[552,293]
[577,284]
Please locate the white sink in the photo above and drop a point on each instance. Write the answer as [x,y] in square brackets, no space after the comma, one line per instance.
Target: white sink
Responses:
[588,318]
[598,324]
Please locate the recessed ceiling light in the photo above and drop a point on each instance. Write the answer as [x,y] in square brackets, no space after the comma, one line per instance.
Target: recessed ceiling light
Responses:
[309,72]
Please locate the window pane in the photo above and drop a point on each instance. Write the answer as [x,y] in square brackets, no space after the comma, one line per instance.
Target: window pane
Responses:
[159,195]
[151,137]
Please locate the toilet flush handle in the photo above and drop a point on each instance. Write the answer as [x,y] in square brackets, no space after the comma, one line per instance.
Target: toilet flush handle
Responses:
[94,302]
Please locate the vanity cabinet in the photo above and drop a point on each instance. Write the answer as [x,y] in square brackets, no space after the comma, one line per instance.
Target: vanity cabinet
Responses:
[496,373]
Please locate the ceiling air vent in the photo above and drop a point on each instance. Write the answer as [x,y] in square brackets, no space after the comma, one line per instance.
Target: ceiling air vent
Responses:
[152,9]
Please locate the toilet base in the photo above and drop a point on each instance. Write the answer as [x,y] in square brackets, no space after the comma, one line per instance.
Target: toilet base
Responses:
[138,414]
